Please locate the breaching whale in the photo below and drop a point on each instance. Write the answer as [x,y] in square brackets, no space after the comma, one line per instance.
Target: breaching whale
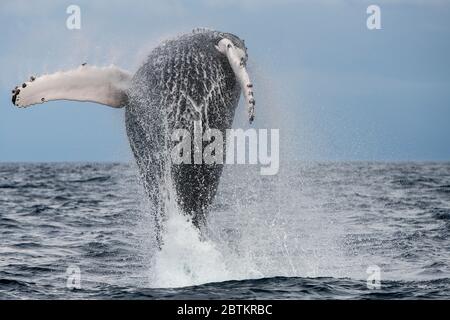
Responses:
[196,76]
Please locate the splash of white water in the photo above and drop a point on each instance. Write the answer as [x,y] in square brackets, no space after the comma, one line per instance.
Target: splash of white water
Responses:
[188,257]
[185,259]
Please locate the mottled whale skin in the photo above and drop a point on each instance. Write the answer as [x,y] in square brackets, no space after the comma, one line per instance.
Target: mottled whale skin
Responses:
[189,66]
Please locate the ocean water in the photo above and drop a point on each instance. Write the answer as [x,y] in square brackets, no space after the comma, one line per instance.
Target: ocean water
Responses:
[311,232]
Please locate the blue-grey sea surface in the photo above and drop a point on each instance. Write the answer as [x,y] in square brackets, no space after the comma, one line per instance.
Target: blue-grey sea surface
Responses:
[314,231]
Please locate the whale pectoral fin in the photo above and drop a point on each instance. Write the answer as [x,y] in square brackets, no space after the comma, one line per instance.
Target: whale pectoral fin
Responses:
[237,59]
[106,85]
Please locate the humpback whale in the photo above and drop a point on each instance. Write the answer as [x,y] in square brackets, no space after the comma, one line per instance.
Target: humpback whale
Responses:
[196,78]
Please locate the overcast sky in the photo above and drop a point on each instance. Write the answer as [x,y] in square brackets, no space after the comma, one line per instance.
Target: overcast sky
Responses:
[336,90]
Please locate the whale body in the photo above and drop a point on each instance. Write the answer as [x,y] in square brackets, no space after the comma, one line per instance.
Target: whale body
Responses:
[195,77]
[183,68]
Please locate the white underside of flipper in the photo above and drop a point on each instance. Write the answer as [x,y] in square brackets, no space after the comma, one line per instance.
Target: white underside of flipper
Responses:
[237,59]
[104,85]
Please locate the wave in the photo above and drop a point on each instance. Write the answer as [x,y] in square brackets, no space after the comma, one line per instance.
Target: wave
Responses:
[273,288]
